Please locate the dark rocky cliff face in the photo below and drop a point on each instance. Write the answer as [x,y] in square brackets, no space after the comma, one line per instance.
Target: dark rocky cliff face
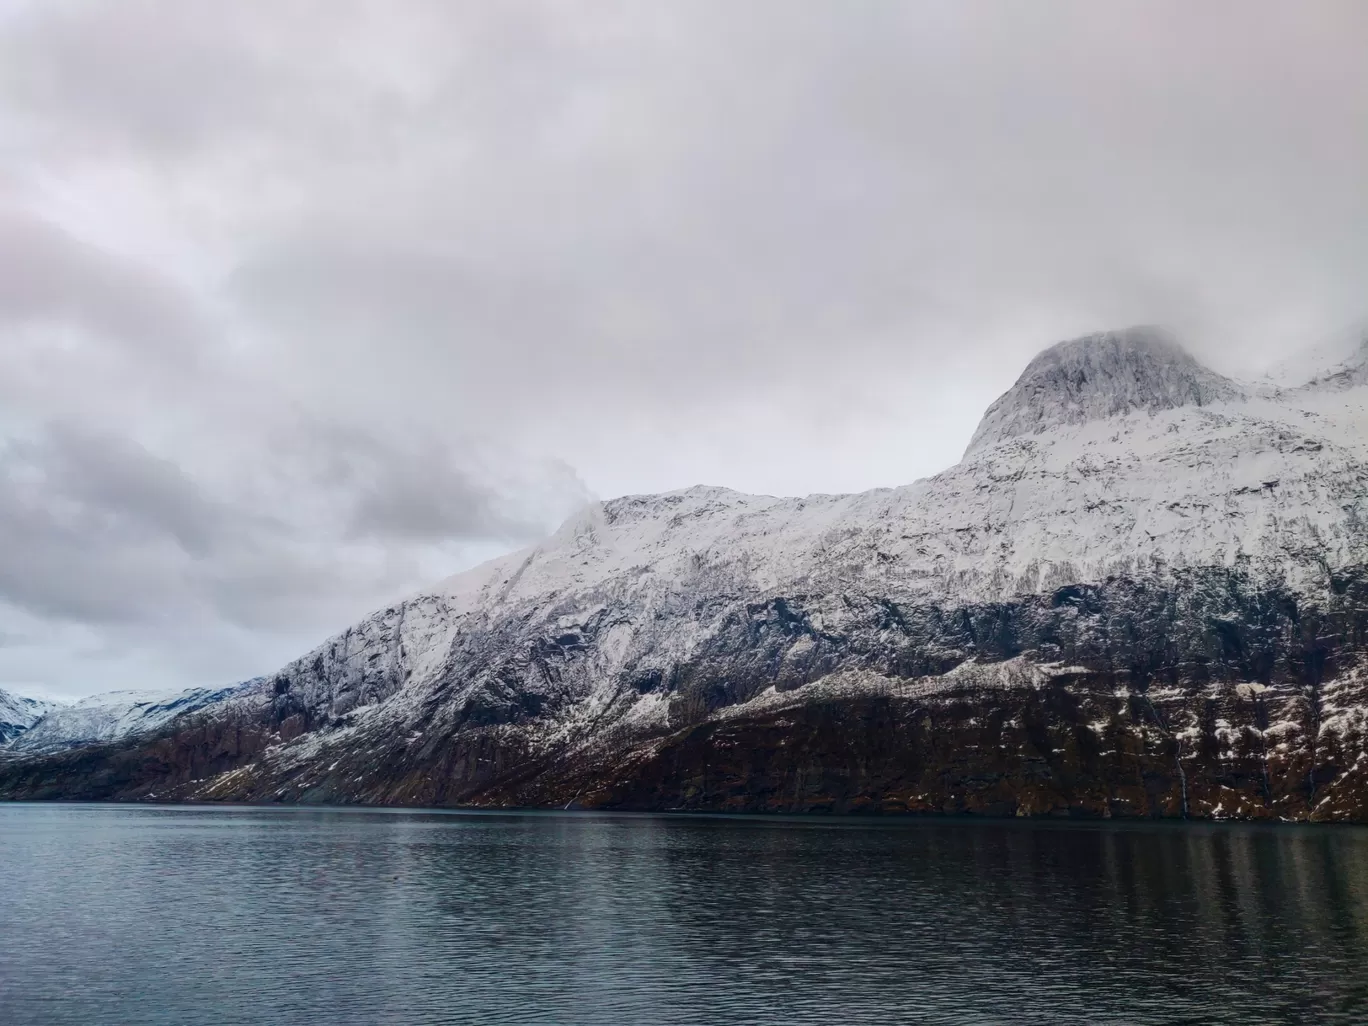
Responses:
[1204,694]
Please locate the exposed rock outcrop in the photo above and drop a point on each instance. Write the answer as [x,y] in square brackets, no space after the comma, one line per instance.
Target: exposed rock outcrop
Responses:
[1099,376]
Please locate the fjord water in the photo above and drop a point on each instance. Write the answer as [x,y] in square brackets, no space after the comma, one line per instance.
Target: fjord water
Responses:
[193,915]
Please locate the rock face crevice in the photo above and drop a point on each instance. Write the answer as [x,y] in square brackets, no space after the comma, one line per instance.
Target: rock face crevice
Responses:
[1142,593]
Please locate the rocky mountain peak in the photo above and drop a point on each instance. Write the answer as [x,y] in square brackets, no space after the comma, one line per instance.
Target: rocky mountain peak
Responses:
[1099,376]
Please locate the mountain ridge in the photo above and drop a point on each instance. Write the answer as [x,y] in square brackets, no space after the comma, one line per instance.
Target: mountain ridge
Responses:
[1086,546]
[110,716]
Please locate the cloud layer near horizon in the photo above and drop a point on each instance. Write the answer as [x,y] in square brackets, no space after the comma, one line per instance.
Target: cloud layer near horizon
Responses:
[305,304]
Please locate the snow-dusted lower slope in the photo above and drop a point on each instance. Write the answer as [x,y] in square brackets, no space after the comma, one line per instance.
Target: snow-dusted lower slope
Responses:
[1122,512]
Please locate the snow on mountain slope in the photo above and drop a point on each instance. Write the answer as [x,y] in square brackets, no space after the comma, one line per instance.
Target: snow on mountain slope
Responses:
[1348,373]
[1320,362]
[1122,513]
[19,713]
[112,716]
[634,588]
[1249,478]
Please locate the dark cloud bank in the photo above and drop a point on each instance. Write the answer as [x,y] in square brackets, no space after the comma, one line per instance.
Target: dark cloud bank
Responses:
[303,305]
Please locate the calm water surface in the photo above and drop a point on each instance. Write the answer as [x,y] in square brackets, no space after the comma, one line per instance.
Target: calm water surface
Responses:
[187,916]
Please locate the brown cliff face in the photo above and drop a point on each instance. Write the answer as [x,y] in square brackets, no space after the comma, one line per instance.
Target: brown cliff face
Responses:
[1081,747]
[175,761]
[1064,749]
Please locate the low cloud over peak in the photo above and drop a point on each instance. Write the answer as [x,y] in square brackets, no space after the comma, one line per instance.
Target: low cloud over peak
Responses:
[305,304]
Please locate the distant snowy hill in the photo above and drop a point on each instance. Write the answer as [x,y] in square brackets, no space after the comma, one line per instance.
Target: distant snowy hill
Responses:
[103,718]
[1350,372]
[18,714]
[1142,591]
[1321,364]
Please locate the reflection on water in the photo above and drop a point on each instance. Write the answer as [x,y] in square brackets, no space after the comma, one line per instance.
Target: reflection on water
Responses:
[192,916]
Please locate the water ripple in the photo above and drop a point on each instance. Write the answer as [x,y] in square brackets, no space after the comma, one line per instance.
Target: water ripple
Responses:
[191,916]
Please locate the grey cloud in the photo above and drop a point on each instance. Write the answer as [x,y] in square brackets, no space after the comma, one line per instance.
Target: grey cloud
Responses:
[431,501]
[423,488]
[170,77]
[886,185]
[133,492]
[68,557]
[46,275]
[430,256]
[100,530]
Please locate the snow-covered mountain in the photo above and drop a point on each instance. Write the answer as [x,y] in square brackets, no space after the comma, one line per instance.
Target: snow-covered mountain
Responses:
[1142,591]
[1321,365]
[111,716]
[1137,371]
[18,713]
[1347,373]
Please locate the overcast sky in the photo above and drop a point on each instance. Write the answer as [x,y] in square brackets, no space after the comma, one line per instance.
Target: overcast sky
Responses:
[304,305]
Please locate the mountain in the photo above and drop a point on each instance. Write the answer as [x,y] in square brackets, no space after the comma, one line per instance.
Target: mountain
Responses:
[1101,376]
[1348,373]
[1142,592]
[1324,365]
[18,714]
[112,716]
